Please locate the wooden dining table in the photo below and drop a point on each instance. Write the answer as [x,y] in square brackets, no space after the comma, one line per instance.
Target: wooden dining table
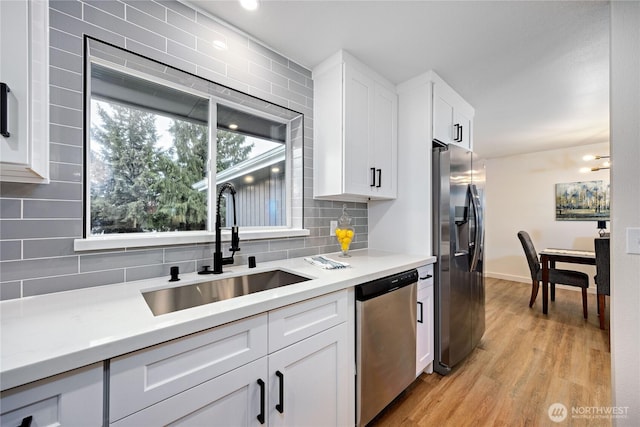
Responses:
[548,259]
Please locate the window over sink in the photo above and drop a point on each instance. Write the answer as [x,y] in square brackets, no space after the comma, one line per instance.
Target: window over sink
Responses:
[152,168]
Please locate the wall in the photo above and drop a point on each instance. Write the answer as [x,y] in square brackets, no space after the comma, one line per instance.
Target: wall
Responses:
[38,223]
[520,195]
[625,179]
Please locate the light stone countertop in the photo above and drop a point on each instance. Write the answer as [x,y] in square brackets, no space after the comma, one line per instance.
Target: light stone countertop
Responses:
[49,334]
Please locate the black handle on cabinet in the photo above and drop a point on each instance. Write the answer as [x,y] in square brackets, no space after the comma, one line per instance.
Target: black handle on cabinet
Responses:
[458,137]
[456,131]
[280,405]
[373,177]
[421,315]
[26,422]
[262,391]
[379,178]
[4,114]
[428,276]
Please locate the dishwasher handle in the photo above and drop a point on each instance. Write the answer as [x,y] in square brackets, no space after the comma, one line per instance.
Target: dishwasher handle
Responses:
[381,286]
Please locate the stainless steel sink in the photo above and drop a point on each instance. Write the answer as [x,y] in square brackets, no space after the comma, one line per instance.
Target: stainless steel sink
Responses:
[168,300]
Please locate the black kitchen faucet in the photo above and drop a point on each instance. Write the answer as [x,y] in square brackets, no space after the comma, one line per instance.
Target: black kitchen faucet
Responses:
[218,259]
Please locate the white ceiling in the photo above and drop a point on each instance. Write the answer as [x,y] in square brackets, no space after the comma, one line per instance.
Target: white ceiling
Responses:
[537,72]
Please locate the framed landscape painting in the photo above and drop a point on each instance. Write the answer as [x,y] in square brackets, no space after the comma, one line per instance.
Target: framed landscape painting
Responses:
[582,201]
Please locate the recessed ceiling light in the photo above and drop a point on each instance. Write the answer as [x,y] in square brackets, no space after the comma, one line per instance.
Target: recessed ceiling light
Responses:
[220,45]
[233,126]
[248,179]
[249,4]
[275,169]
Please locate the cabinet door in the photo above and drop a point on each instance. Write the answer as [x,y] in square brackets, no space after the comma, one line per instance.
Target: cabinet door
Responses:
[465,131]
[145,377]
[311,381]
[232,399]
[14,20]
[24,47]
[74,398]
[358,102]
[384,142]
[425,331]
[442,116]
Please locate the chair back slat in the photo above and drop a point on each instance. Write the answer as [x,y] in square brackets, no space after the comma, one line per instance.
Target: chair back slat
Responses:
[531,254]
[603,257]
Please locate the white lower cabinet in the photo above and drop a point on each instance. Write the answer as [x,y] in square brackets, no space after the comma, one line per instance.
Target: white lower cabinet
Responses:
[145,377]
[226,376]
[74,398]
[232,399]
[309,381]
[425,329]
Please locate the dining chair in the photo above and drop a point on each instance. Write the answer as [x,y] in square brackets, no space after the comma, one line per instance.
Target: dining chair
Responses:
[603,256]
[556,275]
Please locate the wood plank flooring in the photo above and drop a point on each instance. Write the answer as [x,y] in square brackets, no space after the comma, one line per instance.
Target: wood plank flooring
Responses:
[525,362]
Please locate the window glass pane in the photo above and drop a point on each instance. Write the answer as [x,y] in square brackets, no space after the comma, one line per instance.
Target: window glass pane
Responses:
[148,149]
[257,169]
[146,169]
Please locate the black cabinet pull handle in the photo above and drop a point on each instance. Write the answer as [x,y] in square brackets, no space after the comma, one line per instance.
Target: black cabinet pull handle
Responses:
[421,315]
[280,405]
[262,391]
[379,178]
[455,129]
[26,422]
[428,276]
[373,177]
[460,138]
[4,114]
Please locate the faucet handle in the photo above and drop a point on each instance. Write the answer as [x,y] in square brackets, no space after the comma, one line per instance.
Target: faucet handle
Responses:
[235,239]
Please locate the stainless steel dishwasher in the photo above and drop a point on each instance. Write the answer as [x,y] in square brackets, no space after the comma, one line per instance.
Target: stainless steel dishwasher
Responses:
[385,341]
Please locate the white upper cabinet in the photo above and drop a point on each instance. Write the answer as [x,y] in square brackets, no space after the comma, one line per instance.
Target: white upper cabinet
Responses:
[24,73]
[452,116]
[355,132]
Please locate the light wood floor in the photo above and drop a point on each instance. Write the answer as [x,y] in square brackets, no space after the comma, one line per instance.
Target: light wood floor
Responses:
[525,362]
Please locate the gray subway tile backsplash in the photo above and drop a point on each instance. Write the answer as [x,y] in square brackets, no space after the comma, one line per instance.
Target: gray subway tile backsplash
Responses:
[161,27]
[10,290]
[71,281]
[65,172]
[38,223]
[63,59]
[72,8]
[66,98]
[47,248]
[10,250]
[42,209]
[151,8]
[42,267]
[127,29]
[65,153]
[113,7]
[65,79]
[10,208]
[114,260]
[39,228]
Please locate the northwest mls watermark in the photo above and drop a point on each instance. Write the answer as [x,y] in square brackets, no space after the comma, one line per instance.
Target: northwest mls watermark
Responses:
[558,412]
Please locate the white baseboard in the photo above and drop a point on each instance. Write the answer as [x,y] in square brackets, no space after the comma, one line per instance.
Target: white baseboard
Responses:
[510,277]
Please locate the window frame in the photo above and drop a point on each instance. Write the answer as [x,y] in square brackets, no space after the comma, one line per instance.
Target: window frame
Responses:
[294,223]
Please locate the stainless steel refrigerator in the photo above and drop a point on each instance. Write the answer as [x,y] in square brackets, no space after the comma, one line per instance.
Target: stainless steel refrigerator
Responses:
[458,238]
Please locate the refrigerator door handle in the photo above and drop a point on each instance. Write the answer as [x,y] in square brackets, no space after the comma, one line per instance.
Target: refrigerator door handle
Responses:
[479,232]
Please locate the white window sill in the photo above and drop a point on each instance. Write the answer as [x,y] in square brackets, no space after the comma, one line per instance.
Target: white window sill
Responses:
[120,241]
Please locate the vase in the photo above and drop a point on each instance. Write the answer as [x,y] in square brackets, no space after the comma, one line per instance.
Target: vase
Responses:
[345,232]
